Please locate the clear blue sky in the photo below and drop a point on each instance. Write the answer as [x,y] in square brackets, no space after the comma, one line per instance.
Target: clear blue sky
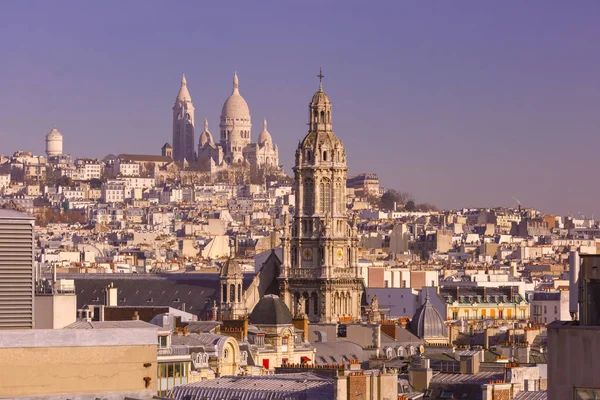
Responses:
[464,103]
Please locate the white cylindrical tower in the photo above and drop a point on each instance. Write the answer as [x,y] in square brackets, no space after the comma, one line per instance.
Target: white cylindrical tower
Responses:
[54,143]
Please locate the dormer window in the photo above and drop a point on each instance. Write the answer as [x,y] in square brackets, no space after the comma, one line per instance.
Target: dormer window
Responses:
[324,156]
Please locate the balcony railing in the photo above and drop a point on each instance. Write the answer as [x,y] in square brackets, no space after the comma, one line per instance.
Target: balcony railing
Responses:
[173,351]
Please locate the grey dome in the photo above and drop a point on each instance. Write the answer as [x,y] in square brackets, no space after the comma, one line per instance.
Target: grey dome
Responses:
[271,310]
[427,322]
[231,268]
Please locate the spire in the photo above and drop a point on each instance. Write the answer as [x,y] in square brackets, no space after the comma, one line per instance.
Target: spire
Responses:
[265,124]
[426,295]
[320,76]
[236,83]
[205,125]
[184,94]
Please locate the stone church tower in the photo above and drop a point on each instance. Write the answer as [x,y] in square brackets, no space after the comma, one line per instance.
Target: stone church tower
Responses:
[319,275]
[183,125]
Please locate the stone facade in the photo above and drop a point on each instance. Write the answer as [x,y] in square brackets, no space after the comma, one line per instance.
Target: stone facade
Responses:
[319,275]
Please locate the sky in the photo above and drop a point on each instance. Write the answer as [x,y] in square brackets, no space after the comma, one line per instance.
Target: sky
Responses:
[463,104]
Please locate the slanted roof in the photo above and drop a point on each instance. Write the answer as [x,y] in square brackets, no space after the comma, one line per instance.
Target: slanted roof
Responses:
[196,291]
[110,325]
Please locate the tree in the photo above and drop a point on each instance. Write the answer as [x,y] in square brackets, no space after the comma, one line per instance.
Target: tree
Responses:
[410,206]
[64,181]
[95,183]
[394,198]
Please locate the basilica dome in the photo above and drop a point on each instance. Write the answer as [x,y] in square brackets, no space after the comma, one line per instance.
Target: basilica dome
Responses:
[265,136]
[235,107]
[271,310]
[206,136]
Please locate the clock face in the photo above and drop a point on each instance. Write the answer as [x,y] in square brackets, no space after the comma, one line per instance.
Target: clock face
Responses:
[340,254]
[307,254]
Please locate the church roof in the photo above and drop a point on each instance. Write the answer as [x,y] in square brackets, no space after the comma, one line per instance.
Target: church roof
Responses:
[265,136]
[427,322]
[235,106]
[271,310]
[184,94]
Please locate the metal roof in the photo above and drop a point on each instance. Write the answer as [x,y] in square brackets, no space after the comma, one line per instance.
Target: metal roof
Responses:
[270,387]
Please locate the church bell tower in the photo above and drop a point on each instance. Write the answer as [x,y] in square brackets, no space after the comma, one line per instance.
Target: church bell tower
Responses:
[319,275]
[183,125]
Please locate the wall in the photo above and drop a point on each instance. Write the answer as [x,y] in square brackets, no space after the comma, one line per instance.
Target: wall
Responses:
[572,359]
[55,311]
[77,362]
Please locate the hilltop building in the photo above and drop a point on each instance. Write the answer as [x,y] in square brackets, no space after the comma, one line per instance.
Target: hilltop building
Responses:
[235,146]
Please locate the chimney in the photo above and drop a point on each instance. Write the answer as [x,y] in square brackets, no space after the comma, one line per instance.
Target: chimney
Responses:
[136,316]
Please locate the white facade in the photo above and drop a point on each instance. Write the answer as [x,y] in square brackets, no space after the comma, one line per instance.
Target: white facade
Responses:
[113,192]
[551,306]
[4,180]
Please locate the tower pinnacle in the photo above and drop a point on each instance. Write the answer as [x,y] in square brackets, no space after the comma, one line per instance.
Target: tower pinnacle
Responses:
[236,83]
[320,76]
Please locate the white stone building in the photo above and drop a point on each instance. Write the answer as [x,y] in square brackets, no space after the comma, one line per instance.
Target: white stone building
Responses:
[235,145]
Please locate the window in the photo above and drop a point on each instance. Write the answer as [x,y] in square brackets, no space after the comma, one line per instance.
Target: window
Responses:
[545,309]
[232,293]
[162,341]
[555,309]
[309,191]
[325,196]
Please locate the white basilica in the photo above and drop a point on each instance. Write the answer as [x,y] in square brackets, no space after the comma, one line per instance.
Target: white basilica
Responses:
[235,144]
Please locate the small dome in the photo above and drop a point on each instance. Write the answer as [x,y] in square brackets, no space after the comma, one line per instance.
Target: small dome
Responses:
[54,134]
[206,136]
[320,98]
[235,106]
[271,310]
[231,268]
[184,94]
[427,322]
[264,136]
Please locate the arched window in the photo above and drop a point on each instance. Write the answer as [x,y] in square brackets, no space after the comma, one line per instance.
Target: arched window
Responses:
[224,291]
[309,196]
[232,293]
[315,303]
[324,156]
[239,293]
[325,196]
[322,116]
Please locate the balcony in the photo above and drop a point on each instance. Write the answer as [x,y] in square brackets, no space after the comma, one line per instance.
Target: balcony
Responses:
[307,273]
[173,351]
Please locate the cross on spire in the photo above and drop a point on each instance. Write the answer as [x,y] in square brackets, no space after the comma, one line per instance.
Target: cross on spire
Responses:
[320,76]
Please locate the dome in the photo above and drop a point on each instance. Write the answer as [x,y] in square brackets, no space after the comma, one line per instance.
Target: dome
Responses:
[235,106]
[54,134]
[427,322]
[264,136]
[184,94]
[271,310]
[206,136]
[231,268]
[320,98]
